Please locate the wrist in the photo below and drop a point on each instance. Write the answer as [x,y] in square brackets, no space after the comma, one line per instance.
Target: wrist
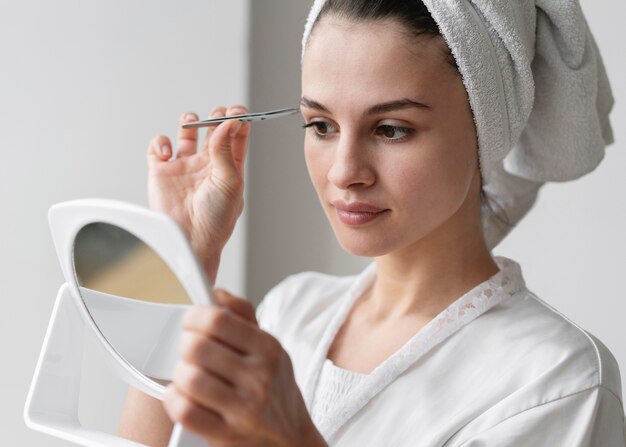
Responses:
[209,260]
[208,251]
[210,264]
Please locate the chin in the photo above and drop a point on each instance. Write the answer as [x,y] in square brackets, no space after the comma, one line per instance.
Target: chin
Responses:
[375,242]
[364,244]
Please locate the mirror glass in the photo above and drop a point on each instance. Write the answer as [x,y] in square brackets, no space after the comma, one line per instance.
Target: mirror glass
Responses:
[133,297]
[111,260]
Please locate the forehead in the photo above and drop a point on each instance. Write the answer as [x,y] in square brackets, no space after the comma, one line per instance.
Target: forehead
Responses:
[369,62]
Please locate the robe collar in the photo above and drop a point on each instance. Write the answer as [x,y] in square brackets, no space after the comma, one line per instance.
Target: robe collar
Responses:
[505,283]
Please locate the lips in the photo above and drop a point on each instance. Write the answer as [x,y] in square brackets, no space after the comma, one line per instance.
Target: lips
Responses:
[357,213]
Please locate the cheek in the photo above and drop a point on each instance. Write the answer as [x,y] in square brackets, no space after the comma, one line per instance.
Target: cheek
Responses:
[432,186]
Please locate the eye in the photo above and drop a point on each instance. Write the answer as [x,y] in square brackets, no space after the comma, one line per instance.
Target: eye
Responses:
[322,128]
[393,133]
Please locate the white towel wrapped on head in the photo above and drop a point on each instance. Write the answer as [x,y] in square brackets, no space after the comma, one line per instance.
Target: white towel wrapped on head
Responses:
[538,90]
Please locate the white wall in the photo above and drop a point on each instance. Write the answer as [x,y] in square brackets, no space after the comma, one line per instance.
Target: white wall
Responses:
[84,85]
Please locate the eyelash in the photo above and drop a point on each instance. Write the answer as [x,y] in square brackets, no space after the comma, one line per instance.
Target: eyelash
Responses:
[407,131]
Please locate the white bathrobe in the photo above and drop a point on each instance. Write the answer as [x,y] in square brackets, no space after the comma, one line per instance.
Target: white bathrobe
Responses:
[498,367]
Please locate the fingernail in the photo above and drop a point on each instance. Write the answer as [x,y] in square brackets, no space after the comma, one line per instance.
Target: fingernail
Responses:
[217,114]
[166,150]
[190,117]
[235,128]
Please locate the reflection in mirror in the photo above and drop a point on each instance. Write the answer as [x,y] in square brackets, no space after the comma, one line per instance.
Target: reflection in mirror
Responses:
[133,297]
[111,260]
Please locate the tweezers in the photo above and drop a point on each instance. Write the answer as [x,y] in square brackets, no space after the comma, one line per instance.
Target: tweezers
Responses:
[246,118]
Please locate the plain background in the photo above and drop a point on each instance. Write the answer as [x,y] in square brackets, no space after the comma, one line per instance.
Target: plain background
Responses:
[84,85]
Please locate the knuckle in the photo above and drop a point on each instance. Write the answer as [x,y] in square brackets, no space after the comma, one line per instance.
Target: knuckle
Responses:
[186,377]
[272,350]
[186,412]
[237,109]
[188,115]
[195,381]
[193,315]
[224,145]
[245,304]
[193,347]
[217,320]
[216,109]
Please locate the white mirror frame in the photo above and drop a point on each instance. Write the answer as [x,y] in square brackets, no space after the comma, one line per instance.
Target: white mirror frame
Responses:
[52,403]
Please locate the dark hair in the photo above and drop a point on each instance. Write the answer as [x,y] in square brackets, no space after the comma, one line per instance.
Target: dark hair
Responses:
[416,21]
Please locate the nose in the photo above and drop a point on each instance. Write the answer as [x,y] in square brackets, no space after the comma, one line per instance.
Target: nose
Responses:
[351,165]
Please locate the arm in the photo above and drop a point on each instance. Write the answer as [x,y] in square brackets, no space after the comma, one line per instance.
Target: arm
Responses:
[144,420]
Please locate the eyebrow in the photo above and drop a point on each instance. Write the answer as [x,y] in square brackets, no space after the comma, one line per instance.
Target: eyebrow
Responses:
[374,110]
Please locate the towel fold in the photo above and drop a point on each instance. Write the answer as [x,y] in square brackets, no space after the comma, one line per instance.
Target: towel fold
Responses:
[538,90]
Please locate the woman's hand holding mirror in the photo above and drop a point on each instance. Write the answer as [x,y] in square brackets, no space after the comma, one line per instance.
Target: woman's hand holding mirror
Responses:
[235,383]
[201,187]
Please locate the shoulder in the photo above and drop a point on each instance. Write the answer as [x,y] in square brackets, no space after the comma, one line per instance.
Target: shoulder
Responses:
[547,378]
[551,351]
[301,297]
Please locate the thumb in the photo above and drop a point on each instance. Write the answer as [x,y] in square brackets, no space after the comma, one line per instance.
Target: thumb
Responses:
[240,306]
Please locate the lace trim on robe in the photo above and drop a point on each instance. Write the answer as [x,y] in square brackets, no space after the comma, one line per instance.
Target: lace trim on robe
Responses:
[505,283]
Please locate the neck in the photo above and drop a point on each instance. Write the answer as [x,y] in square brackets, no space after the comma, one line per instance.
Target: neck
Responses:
[422,280]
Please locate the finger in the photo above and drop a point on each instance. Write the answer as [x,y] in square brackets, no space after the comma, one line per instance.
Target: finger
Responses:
[213,356]
[216,112]
[192,416]
[236,109]
[240,306]
[224,325]
[239,138]
[186,139]
[238,132]
[226,171]
[206,390]
[159,149]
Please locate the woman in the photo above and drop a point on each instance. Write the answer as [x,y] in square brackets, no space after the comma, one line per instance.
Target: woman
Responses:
[412,133]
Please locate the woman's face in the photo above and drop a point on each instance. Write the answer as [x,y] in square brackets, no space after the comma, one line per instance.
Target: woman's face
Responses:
[391,148]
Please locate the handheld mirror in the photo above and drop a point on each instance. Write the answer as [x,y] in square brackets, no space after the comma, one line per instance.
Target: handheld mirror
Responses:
[133,275]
